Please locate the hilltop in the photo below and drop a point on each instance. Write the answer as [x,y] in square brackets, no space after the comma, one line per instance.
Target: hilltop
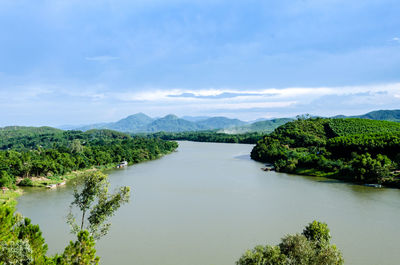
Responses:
[141,123]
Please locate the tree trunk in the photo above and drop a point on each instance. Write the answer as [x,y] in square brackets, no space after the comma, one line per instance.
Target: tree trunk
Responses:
[83,219]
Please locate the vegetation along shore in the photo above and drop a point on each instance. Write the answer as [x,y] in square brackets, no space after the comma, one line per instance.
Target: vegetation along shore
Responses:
[31,156]
[352,149]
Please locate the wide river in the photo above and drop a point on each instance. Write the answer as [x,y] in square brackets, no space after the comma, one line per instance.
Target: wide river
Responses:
[207,203]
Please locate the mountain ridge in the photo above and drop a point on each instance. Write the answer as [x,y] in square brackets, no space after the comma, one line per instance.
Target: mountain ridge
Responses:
[142,123]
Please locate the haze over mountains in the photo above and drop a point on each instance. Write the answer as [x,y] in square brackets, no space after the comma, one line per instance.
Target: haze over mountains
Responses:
[141,123]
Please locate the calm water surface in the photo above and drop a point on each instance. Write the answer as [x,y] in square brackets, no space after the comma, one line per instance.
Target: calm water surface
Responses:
[207,203]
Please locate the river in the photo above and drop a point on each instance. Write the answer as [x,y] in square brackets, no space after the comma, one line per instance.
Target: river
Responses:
[207,203]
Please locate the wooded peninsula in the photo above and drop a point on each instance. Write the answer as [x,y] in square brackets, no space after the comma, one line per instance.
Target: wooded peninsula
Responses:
[351,149]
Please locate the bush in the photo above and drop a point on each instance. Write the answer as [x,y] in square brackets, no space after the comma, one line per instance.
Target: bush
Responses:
[6,180]
[312,247]
[26,182]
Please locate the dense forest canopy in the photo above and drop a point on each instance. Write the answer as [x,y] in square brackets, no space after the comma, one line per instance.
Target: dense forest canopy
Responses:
[359,150]
[209,136]
[48,152]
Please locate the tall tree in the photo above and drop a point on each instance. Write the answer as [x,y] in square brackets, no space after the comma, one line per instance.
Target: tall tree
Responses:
[96,204]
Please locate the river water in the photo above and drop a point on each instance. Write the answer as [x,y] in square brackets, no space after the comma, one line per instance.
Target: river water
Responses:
[207,203]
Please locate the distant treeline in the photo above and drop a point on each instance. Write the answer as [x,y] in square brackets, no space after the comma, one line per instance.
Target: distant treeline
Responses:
[53,152]
[357,150]
[209,136]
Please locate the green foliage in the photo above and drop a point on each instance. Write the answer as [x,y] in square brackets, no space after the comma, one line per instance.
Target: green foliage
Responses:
[95,199]
[7,223]
[16,253]
[26,182]
[263,255]
[368,169]
[266,126]
[209,136]
[6,180]
[363,151]
[32,234]
[310,248]
[317,232]
[298,250]
[21,241]
[80,252]
[56,153]
[345,127]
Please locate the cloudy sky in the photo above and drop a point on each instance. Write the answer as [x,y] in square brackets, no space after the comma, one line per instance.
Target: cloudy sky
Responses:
[79,62]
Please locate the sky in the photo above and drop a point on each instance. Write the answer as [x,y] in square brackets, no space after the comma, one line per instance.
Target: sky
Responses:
[81,62]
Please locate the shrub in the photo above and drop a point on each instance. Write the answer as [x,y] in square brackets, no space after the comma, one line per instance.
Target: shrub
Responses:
[26,182]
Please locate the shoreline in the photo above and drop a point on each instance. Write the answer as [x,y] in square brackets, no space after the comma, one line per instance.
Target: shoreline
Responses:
[9,196]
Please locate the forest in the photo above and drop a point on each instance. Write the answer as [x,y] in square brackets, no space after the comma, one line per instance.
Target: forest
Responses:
[46,152]
[209,136]
[351,149]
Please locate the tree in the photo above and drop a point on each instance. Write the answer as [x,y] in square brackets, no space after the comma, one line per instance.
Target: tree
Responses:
[310,248]
[32,234]
[16,253]
[263,255]
[317,232]
[6,180]
[95,200]
[80,252]
[76,146]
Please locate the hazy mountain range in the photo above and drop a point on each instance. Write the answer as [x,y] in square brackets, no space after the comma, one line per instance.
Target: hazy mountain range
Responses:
[141,123]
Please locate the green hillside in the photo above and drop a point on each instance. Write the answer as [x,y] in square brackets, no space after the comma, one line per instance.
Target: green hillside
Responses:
[266,126]
[209,136]
[172,123]
[357,150]
[131,123]
[52,155]
[343,127]
[219,122]
[387,115]
[22,131]
[383,115]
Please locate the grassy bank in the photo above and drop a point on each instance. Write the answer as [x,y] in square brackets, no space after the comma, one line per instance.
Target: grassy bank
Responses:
[8,197]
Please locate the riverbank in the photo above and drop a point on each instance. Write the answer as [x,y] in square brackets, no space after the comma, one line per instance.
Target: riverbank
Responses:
[207,194]
[56,180]
[389,182]
[9,196]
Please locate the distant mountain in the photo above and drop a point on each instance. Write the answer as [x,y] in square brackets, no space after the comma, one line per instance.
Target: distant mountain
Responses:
[220,122]
[195,118]
[172,123]
[383,115]
[141,123]
[386,115]
[133,123]
[91,126]
[266,126]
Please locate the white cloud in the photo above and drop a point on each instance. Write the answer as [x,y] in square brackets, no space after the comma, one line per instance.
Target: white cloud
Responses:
[97,100]
[269,94]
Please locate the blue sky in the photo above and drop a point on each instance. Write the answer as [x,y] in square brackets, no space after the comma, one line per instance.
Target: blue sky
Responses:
[78,62]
